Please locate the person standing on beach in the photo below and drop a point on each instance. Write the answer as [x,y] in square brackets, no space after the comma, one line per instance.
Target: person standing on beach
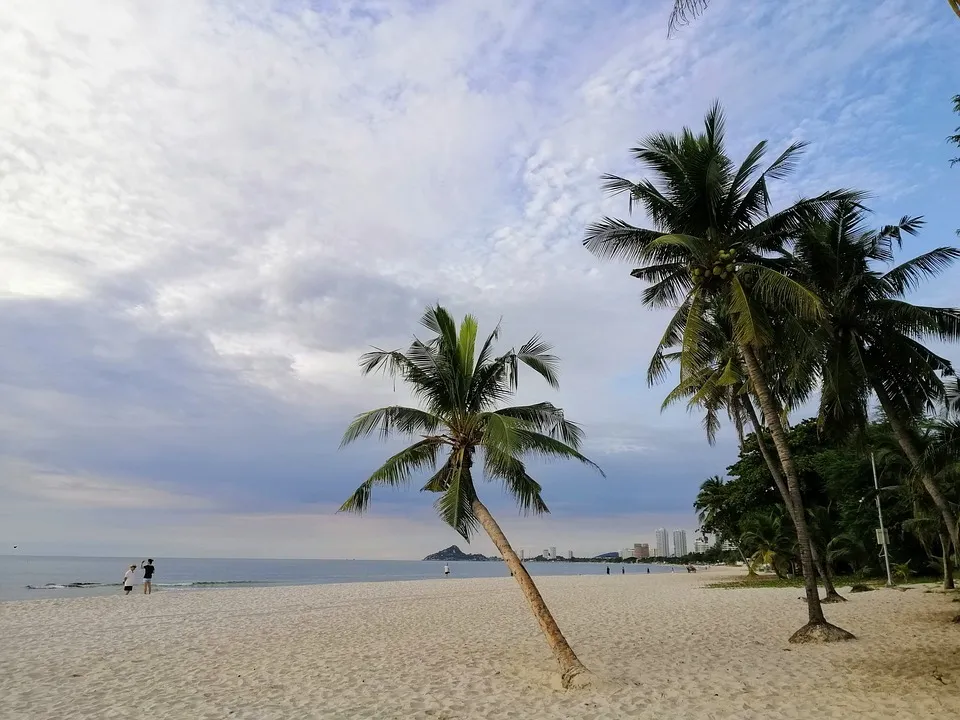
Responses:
[128,579]
[623,570]
[446,570]
[608,569]
[148,571]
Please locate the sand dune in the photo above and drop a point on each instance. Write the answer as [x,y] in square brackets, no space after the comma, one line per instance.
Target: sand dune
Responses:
[661,645]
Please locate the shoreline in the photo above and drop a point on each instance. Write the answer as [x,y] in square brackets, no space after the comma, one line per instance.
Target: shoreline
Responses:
[42,578]
[115,589]
[660,646]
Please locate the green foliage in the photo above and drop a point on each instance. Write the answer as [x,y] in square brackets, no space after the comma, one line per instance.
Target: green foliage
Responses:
[902,571]
[837,488]
[460,391]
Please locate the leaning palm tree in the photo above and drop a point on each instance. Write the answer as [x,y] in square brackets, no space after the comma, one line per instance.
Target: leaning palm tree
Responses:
[711,244]
[459,390]
[873,338]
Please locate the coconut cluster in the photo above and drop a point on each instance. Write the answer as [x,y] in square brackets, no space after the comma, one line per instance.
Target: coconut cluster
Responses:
[723,266]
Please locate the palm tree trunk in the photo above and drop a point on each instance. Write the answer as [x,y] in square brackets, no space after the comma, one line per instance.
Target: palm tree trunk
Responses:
[913,455]
[746,562]
[817,627]
[773,466]
[570,666]
[947,561]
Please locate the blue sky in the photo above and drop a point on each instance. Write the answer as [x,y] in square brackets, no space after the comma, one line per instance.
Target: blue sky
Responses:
[209,210]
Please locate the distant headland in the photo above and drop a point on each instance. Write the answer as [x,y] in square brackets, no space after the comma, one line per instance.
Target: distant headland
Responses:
[453,553]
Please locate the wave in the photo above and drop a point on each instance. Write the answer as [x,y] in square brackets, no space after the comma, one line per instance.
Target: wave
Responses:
[199,583]
[64,586]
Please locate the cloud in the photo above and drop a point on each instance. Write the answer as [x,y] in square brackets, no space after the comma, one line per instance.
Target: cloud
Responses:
[55,487]
[208,210]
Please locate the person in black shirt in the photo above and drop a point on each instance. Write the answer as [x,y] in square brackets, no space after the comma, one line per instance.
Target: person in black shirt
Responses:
[148,571]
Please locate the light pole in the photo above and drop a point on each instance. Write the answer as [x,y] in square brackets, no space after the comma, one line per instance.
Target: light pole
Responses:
[882,534]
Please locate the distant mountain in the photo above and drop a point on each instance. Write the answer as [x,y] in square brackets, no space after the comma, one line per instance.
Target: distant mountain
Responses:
[454,553]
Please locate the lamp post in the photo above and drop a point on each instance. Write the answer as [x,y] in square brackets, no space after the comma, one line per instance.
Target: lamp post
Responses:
[881,533]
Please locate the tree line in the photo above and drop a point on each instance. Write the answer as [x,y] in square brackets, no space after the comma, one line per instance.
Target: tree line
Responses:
[837,485]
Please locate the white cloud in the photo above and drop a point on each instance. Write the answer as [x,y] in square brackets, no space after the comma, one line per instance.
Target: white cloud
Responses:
[208,210]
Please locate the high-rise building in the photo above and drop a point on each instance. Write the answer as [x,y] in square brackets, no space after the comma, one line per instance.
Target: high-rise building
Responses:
[523,554]
[553,553]
[641,551]
[663,542]
[569,554]
[546,554]
[625,553]
[679,543]
[701,546]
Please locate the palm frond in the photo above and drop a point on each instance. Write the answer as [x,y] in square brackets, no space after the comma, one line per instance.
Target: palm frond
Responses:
[612,239]
[780,291]
[536,355]
[394,472]
[389,420]
[523,488]
[683,12]
[455,504]
[534,443]
[910,274]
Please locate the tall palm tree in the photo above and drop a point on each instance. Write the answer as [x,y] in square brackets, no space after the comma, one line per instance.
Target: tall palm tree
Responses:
[459,390]
[711,244]
[722,384]
[873,338]
[686,10]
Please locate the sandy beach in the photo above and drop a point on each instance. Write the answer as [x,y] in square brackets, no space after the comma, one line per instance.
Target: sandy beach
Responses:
[661,646]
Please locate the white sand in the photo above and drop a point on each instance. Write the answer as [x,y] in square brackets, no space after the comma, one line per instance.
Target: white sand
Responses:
[663,647]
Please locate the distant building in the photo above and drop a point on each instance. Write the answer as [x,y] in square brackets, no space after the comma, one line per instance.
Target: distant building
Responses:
[679,543]
[663,542]
[700,546]
[641,551]
[569,554]
[553,553]
[728,546]
[546,554]
[523,554]
[625,553]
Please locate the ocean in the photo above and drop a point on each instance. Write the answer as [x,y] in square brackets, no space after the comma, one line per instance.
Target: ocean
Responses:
[25,577]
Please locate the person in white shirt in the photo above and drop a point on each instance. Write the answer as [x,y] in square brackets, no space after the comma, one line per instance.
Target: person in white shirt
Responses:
[446,569]
[129,577]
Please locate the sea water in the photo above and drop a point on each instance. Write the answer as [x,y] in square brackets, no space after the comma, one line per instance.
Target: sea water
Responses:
[25,577]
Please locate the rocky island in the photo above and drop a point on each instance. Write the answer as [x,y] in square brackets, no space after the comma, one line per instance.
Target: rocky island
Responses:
[453,553]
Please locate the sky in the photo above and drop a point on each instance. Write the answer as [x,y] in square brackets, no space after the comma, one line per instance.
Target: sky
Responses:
[209,210]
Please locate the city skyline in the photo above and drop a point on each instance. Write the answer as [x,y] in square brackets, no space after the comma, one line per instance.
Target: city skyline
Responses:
[628,549]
